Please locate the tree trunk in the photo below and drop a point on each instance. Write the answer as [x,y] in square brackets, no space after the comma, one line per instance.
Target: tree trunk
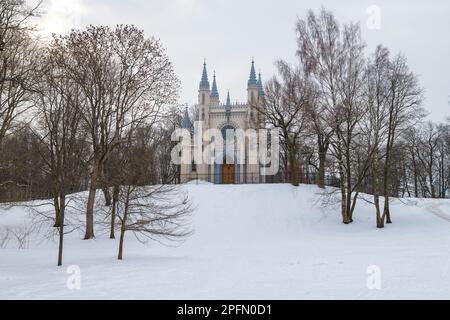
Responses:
[353,206]
[344,199]
[322,159]
[376,194]
[113,211]
[380,220]
[387,167]
[348,178]
[57,213]
[293,164]
[122,236]
[104,185]
[61,209]
[345,219]
[416,188]
[123,225]
[90,205]
[386,212]
[107,196]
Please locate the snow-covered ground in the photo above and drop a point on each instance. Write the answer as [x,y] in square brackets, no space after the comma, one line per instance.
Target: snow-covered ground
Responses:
[250,242]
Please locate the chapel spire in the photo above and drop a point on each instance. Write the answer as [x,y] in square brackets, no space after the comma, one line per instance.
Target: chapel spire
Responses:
[204,90]
[252,80]
[214,91]
[260,86]
[228,105]
[186,121]
[204,83]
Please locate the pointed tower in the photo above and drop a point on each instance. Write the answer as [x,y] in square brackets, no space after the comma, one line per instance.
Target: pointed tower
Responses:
[214,92]
[252,95]
[204,90]
[186,124]
[260,87]
[228,106]
[252,86]
[204,98]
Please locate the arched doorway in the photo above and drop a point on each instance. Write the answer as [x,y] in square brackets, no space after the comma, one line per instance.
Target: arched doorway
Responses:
[228,173]
[229,169]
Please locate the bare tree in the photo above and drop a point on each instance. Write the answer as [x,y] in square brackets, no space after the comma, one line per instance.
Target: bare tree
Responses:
[18,56]
[59,119]
[348,116]
[125,79]
[151,143]
[375,121]
[404,110]
[157,212]
[284,107]
[153,213]
[319,48]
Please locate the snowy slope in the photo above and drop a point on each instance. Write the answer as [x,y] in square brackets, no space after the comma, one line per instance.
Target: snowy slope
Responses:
[250,241]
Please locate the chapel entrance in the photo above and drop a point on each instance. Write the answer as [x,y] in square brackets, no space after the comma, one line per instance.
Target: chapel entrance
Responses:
[228,174]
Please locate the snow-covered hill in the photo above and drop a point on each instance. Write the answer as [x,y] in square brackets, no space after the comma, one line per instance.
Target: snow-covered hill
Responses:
[250,242]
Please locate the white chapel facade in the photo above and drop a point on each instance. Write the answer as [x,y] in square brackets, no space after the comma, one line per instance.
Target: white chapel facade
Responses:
[212,113]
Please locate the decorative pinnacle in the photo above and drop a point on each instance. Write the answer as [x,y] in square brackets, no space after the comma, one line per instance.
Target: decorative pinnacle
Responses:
[214,91]
[252,80]
[204,83]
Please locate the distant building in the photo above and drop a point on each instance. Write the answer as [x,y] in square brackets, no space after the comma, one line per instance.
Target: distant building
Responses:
[226,116]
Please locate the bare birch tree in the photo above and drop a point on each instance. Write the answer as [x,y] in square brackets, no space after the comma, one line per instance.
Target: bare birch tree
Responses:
[404,110]
[319,49]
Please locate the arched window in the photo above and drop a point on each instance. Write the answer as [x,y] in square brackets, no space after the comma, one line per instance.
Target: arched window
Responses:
[225,128]
[203,98]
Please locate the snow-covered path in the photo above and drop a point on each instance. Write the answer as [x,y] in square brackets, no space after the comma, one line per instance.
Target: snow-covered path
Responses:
[251,242]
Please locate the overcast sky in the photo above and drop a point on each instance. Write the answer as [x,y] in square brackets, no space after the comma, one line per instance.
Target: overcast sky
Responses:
[229,32]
